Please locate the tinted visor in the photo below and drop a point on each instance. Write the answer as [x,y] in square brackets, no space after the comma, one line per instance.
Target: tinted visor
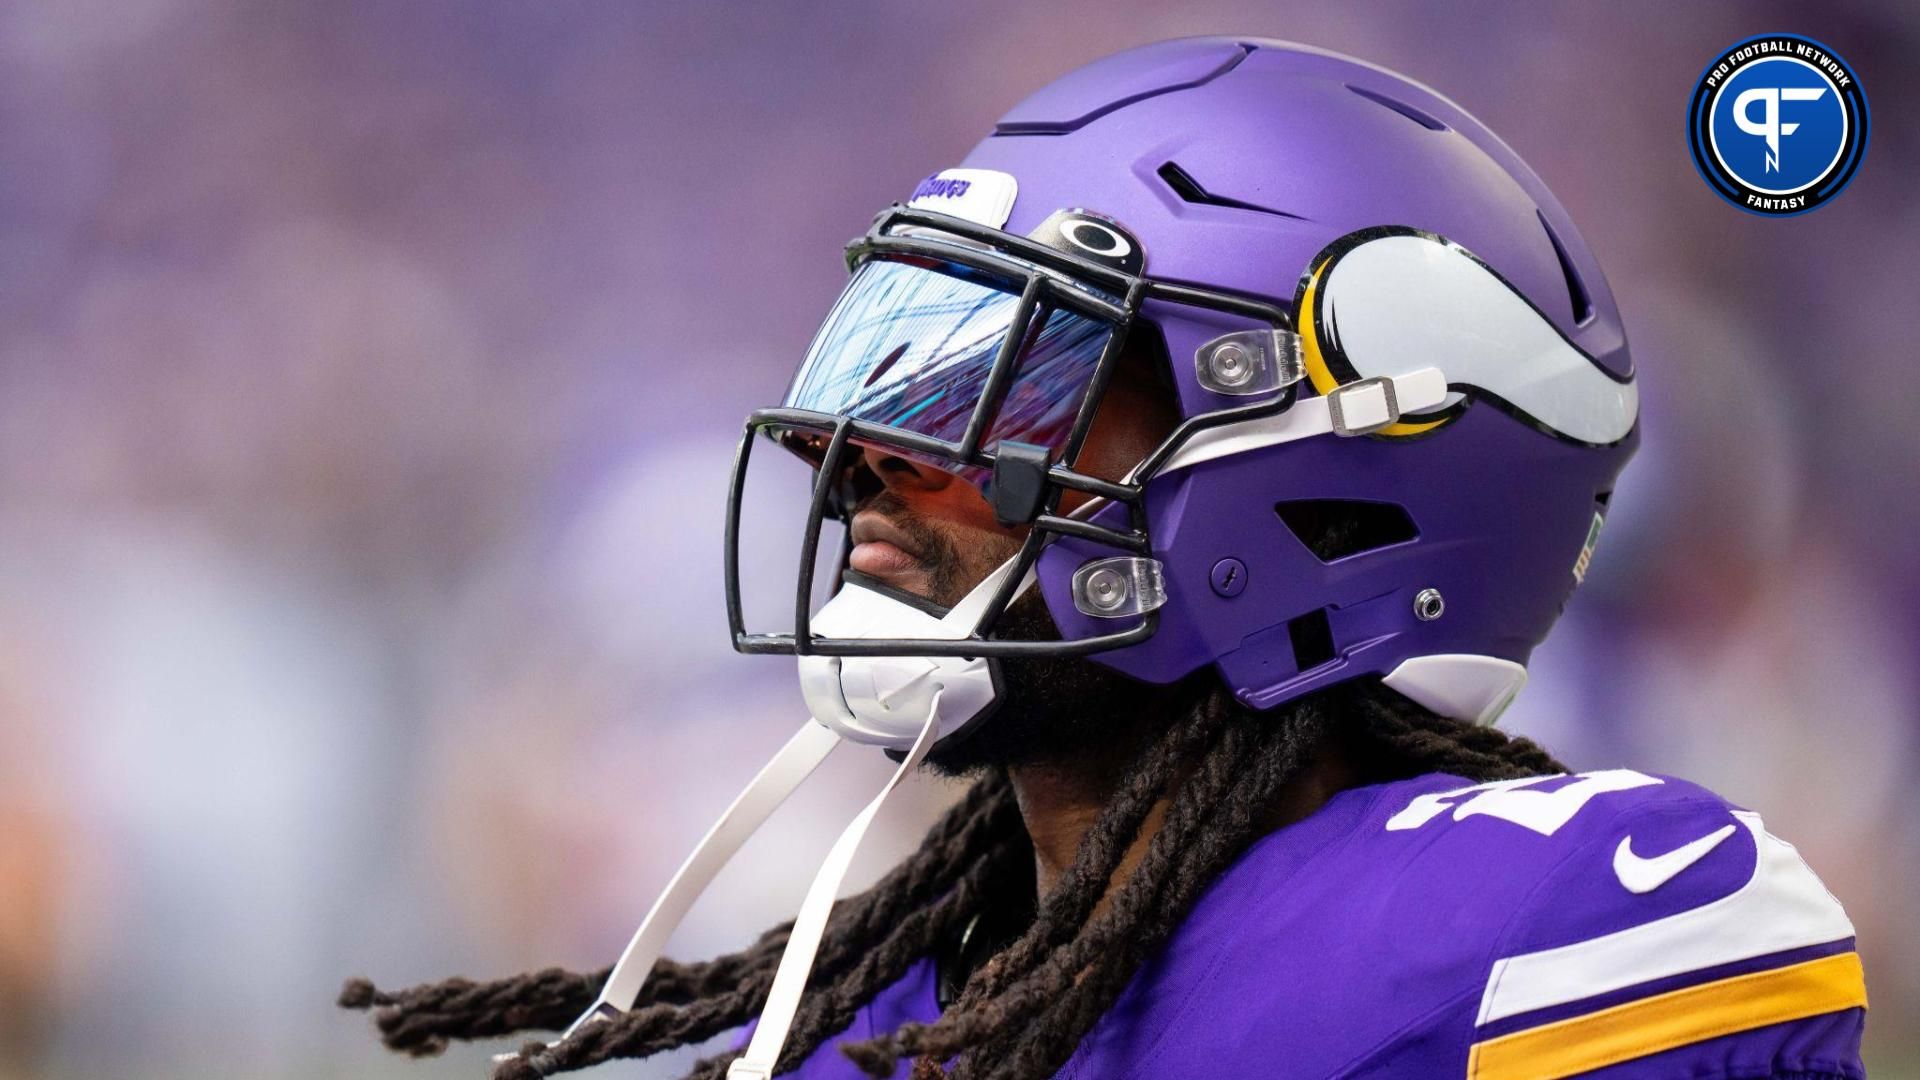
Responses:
[911,344]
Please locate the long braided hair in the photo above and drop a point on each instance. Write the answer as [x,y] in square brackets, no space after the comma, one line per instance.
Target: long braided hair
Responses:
[1220,768]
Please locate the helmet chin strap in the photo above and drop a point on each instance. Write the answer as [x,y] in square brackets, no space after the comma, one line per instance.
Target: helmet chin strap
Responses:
[903,703]
[742,818]
[790,981]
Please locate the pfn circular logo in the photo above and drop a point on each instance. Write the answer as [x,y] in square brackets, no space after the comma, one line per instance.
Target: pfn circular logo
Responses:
[1778,124]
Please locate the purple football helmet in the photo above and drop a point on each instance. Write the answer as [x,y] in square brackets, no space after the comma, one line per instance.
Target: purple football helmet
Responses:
[1404,390]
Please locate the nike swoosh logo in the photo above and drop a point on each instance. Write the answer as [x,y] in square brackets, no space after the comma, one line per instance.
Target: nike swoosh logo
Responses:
[1645,875]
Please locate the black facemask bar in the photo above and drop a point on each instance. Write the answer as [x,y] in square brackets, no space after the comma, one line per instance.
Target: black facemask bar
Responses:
[1048,279]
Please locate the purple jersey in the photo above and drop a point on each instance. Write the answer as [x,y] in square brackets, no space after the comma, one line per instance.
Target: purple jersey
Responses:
[1609,924]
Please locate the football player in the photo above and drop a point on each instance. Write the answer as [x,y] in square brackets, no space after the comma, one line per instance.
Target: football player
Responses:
[1214,445]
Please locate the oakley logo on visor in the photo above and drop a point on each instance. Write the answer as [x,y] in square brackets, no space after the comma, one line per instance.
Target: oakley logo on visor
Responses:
[1092,236]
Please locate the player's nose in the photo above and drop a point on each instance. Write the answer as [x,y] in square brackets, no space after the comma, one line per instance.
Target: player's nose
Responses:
[904,475]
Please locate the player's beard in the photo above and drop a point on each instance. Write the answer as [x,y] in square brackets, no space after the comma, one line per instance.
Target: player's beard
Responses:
[1059,709]
[1051,709]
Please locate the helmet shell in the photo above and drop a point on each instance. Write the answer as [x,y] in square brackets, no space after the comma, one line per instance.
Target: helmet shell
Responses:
[1236,163]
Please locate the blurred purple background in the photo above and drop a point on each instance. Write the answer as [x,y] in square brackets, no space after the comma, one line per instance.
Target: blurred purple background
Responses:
[368,378]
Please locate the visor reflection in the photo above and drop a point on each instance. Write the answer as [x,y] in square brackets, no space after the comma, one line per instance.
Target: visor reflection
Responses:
[910,345]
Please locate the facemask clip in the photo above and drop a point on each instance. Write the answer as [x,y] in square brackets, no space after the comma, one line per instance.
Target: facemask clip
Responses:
[1019,482]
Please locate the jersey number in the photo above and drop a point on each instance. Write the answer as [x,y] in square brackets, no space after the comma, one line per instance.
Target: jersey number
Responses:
[1517,801]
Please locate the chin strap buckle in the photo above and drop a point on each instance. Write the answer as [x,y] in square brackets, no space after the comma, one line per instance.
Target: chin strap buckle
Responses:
[1359,408]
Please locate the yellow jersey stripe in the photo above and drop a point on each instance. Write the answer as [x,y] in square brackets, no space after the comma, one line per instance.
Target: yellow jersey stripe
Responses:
[1677,1018]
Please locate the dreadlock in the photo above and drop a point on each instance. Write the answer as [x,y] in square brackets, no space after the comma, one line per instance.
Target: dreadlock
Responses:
[1220,770]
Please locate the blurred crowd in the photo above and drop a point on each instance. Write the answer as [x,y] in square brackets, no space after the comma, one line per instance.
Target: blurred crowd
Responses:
[369,374]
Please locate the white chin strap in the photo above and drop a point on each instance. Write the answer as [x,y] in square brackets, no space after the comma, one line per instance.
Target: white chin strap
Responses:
[1354,409]
[903,703]
[790,981]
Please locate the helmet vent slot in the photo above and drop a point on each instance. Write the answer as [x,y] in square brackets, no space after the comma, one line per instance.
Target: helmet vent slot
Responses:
[1337,528]
[1312,639]
[1189,190]
[1400,107]
[1576,289]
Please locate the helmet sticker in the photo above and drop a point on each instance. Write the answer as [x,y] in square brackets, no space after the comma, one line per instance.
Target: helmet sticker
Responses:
[1586,550]
[1092,236]
[982,196]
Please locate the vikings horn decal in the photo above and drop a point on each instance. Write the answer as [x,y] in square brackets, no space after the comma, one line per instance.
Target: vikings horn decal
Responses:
[1387,301]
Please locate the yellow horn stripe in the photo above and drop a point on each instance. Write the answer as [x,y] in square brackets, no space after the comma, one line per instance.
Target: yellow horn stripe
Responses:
[1317,371]
[1674,1019]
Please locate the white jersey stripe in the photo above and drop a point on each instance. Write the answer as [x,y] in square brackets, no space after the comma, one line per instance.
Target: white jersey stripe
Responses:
[1783,906]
